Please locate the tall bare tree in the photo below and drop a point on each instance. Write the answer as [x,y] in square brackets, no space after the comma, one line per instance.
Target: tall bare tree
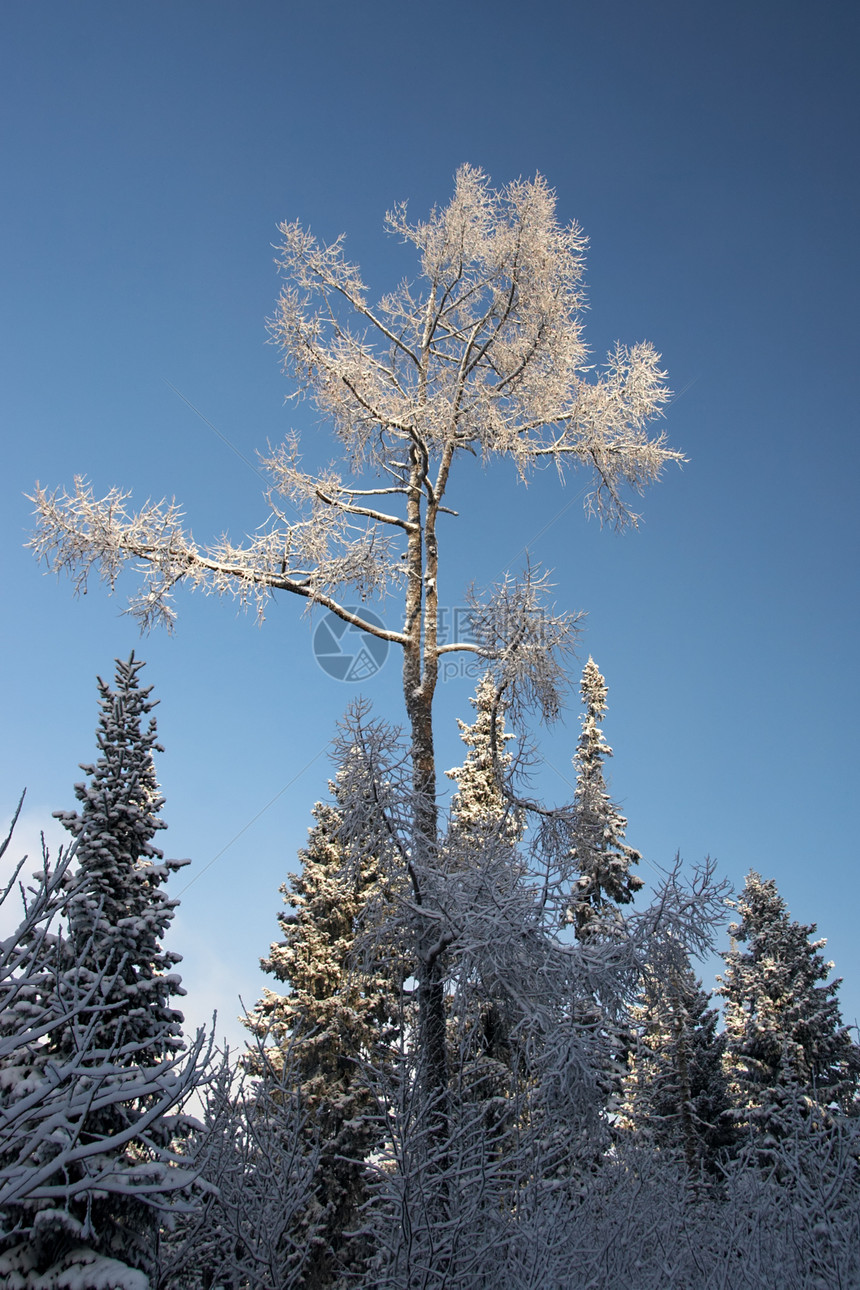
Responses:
[482,354]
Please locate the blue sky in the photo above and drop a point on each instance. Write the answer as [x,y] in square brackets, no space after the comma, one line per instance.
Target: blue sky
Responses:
[149,152]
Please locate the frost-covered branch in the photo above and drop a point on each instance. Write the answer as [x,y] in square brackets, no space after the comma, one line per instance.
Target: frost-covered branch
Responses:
[526,643]
[79,534]
[485,354]
[496,358]
[256,1158]
[68,1114]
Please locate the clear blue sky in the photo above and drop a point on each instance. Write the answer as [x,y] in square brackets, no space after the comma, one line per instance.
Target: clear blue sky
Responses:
[150,150]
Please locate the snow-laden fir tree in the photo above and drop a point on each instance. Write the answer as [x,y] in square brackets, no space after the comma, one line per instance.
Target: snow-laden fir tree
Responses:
[480,807]
[483,819]
[118,915]
[601,861]
[93,1068]
[675,1096]
[600,853]
[340,1018]
[118,911]
[786,1046]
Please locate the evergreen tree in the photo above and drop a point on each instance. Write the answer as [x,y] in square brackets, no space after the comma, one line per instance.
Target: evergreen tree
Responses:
[785,1042]
[340,1019]
[675,1095]
[94,1068]
[480,808]
[599,851]
[603,860]
[484,829]
[118,913]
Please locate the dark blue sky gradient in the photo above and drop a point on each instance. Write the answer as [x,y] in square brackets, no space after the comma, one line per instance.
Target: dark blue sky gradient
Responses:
[149,152]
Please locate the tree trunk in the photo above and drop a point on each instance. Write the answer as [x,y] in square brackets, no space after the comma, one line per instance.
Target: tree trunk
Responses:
[419,684]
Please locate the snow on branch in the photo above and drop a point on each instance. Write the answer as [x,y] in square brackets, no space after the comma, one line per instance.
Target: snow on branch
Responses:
[57,1138]
[526,643]
[484,353]
[487,353]
[78,533]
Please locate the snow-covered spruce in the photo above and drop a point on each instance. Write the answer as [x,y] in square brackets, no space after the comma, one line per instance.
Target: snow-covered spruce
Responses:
[786,1045]
[485,827]
[118,913]
[675,1097]
[599,851]
[341,1016]
[480,807]
[95,1071]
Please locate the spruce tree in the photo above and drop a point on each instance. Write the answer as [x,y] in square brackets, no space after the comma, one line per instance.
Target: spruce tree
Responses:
[118,915]
[480,808]
[339,1022]
[785,1042]
[118,912]
[603,860]
[92,1145]
[599,851]
[484,829]
[675,1095]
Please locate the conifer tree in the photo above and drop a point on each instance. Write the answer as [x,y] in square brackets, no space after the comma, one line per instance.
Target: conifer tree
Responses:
[483,822]
[96,1069]
[118,915]
[675,1095]
[602,859]
[340,1019]
[600,852]
[480,808]
[785,1042]
[118,912]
